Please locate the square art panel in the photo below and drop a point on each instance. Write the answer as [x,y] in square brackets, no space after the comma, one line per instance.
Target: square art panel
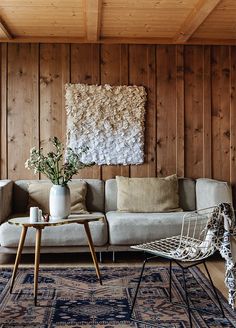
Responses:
[108,121]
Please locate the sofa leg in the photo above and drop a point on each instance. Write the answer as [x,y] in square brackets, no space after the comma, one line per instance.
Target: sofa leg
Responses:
[113,257]
[100,257]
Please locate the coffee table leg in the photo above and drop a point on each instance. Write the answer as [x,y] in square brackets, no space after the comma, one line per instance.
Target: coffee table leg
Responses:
[36,263]
[91,247]
[18,255]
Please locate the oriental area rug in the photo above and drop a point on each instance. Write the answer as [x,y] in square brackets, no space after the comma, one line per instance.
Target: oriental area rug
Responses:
[72,297]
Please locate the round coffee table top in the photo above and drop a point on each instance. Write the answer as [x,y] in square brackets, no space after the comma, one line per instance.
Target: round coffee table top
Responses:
[74,218]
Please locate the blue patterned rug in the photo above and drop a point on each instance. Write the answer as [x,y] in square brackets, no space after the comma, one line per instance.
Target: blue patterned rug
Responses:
[72,297]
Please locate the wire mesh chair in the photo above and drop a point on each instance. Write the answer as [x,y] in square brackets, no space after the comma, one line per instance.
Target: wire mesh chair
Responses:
[192,247]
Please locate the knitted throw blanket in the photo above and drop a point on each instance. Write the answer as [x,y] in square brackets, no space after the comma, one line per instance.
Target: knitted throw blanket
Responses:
[221,226]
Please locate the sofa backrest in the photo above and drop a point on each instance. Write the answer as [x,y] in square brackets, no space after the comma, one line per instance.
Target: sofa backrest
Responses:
[94,199]
[211,192]
[187,194]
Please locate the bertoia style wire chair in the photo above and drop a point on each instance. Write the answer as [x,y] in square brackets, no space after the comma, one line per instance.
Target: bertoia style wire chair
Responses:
[192,247]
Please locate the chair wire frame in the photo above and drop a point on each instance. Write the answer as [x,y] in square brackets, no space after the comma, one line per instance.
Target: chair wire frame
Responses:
[192,247]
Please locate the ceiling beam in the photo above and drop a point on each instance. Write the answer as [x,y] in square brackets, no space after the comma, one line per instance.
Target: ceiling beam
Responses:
[197,16]
[93,10]
[5,30]
[110,40]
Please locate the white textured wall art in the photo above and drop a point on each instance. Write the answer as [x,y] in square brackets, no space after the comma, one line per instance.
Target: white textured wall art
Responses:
[109,120]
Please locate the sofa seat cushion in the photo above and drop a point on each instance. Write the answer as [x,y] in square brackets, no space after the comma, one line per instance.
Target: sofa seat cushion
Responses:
[72,234]
[135,228]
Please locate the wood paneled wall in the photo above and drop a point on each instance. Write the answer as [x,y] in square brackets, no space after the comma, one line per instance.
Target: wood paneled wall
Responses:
[190,114]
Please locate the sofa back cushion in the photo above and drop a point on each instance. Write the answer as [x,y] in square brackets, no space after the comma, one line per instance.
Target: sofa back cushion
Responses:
[148,195]
[211,192]
[94,197]
[187,194]
[6,199]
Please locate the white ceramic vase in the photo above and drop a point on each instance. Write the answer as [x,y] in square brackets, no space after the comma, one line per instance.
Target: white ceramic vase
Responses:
[59,202]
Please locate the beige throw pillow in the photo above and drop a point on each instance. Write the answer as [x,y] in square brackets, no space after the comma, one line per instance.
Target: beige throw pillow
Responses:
[148,194]
[78,192]
[39,196]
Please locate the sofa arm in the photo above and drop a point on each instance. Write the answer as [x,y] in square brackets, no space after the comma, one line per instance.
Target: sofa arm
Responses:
[211,192]
[6,187]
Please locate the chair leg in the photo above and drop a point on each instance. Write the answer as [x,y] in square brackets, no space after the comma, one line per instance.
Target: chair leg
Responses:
[170,281]
[137,288]
[214,289]
[186,297]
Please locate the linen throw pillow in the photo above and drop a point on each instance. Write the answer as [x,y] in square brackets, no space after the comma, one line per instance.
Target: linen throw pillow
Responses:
[148,194]
[39,196]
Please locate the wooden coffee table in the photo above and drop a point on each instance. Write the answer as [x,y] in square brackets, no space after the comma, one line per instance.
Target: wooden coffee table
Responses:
[25,223]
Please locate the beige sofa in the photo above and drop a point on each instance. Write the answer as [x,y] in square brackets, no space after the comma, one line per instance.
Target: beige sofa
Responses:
[118,231]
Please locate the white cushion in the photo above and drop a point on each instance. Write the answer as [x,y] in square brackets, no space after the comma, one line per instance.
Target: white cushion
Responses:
[72,234]
[212,192]
[134,228]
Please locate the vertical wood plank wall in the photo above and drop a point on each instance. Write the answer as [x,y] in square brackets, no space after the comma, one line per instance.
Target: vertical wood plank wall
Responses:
[190,114]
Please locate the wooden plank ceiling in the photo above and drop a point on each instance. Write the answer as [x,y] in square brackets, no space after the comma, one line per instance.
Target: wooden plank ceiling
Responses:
[119,21]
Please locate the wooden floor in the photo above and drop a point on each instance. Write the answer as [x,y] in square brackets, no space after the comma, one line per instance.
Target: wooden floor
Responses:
[215,264]
[217,271]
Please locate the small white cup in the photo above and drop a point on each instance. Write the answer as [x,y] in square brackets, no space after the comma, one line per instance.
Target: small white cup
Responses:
[34,214]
